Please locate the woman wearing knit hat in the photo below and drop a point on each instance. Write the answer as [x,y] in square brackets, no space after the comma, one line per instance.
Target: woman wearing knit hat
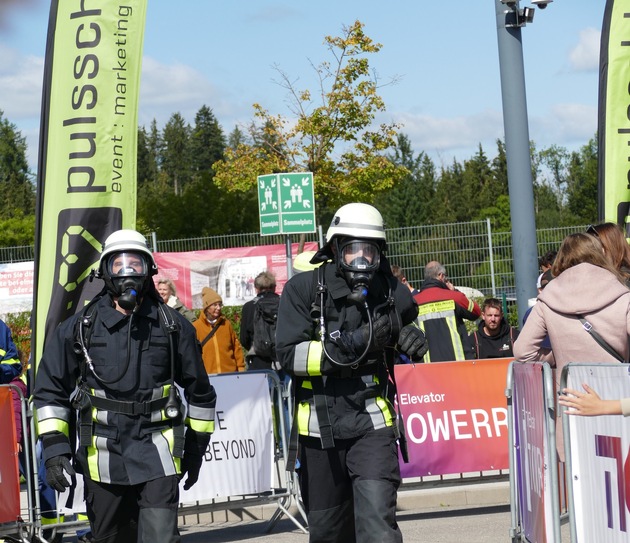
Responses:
[220,348]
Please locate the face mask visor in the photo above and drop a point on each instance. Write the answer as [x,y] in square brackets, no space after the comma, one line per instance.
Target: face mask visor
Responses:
[359,256]
[127,265]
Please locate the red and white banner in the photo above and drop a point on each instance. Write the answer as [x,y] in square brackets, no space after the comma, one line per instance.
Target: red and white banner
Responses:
[9,472]
[230,272]
[599,458]
[16,287]
[452,407]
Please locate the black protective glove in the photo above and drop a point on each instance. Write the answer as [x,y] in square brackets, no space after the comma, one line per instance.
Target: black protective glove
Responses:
[55,477]
[381,332]
[412,342]
[191,464]
[195,445]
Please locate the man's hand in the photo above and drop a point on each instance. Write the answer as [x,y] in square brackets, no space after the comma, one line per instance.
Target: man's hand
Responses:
[412,342]
[55,468]
[191,464]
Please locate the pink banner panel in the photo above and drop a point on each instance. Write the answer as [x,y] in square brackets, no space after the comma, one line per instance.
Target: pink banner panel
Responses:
[230,272]
[455,416]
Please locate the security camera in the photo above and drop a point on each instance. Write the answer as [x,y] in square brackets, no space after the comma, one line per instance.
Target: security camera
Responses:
[542,4]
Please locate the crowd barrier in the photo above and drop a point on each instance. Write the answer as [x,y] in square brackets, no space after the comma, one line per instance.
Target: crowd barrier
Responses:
[18,522]
[591,489]
[534,482]
[597,453]
[446,408]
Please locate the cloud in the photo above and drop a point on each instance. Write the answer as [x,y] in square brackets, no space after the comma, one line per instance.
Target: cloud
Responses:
[565,125]
[584,57]
[20,84]
[169,88]
[456,135]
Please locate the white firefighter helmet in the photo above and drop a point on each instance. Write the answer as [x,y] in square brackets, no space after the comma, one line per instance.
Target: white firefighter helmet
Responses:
[357,221]
[126,241]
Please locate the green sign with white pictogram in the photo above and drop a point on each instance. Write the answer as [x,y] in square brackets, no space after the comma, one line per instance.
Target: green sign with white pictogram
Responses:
[286,203]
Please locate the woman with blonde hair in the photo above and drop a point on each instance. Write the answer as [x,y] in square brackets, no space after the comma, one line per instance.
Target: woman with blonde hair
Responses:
[586,285]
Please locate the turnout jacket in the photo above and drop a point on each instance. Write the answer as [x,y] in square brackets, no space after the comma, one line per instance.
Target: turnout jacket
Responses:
[356,399]
[125,449]
[441,314]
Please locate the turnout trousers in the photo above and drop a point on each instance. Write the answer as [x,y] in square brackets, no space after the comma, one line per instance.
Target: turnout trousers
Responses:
[349,491]
[143,513]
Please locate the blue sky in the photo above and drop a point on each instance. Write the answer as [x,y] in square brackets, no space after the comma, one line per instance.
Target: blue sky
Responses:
[444,55]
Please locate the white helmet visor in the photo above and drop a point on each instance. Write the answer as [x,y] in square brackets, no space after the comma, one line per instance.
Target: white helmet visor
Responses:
[127,264]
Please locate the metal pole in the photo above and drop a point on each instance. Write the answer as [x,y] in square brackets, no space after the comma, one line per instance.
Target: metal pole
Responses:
[519,166]
[494,285]
[289,257]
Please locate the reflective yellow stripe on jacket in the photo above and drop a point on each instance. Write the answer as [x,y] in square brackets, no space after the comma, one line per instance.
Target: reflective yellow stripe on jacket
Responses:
[307,361]
[444,309]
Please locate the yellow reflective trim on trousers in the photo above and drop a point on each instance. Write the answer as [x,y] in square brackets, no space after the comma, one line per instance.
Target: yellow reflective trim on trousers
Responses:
[314,360]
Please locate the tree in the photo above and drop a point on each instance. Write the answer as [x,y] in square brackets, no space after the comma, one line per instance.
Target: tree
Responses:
[334,138]
[207,142]
[17,191]
[582,183]
[408,203]
[176,156]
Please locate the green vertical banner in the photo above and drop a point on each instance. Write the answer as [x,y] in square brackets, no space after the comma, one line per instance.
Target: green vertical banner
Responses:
[86,181]
[614,115]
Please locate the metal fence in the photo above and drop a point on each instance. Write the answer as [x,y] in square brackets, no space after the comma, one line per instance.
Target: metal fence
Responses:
[475,256]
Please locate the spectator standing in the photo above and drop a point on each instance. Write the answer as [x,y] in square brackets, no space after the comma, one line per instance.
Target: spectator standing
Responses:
[494,337]
[400,275]
[615,246]
[587,286]
[546,261]
[167,291]
[265,285]
[220,348]
[441,314]
[10,365]
[349,472]
[120,359]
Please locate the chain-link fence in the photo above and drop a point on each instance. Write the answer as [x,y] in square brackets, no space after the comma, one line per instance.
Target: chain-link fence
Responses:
[474,255]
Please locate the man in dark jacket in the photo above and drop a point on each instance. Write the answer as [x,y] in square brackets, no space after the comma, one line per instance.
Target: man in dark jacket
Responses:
[339,329]
[119,360]
[441,314]
[265,285]
[494,337]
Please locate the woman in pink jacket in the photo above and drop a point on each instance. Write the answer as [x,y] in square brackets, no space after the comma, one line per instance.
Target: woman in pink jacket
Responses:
[586,284]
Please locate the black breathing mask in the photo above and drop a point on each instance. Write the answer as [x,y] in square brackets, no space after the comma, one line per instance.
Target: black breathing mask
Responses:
[126,277]
[129,288]
[359,260]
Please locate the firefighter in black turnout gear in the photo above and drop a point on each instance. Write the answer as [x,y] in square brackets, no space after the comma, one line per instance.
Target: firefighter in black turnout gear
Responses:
[338,332]
[110,373]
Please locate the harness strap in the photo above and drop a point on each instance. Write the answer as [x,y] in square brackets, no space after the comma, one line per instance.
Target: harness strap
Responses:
[128,408]
[323,416]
